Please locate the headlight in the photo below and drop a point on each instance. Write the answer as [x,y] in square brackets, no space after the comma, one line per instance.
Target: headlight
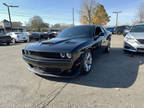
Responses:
[69,55]
[130,39]
[66,55]
[62,55]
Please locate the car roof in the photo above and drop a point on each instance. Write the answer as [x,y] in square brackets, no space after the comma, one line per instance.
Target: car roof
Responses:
[86,25]
[140,24]
[90,25]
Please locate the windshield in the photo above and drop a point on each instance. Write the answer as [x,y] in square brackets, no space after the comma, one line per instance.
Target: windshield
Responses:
[137,28]
[76,32]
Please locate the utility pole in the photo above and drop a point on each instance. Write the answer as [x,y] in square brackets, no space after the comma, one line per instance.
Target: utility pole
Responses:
[117,15]
[73,17]
[10,6]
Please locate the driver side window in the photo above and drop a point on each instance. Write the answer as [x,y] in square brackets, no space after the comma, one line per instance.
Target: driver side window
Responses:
[98,31]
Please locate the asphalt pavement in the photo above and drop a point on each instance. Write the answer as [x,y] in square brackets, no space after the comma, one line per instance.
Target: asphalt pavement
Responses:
[116,81]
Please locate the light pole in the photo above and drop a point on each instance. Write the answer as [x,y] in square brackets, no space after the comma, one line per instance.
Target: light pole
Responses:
[117,15]
[73,17]
[10,6]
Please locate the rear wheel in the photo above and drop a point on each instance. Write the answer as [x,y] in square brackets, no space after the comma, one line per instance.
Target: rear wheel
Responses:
[37,39]
[87,61]
[26,41]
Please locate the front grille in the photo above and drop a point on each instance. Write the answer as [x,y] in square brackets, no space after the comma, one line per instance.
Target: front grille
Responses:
[141,41]
[34,54]
[5,38]
[140,49]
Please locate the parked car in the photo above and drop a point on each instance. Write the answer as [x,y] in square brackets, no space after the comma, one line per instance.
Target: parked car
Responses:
[18,37]
[120,30]
[134,40]
[72,49]
[54,32]
[5,39]
[33,35]
[44,35]
[111,29]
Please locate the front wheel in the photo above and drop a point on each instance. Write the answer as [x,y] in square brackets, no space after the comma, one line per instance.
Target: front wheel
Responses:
[8,43]
[13,41]
[87,61]
[107,50]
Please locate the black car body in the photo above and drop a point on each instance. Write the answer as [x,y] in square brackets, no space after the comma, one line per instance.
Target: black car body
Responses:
[68,51]
[5,39]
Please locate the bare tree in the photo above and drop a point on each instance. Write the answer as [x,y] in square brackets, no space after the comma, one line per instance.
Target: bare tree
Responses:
[88,8]
[93,13]
[141,13]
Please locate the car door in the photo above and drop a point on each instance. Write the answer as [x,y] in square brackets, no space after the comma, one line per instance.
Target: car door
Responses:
[104,42]
[99,38]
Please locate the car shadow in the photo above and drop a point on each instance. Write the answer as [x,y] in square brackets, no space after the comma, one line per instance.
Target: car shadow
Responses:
[115,70]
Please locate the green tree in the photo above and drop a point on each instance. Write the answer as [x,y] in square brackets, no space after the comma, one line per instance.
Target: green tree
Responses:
[36,24]
[56,26]
[61,26]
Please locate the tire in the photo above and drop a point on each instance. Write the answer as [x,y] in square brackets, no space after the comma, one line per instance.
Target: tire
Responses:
[26,41]
[107,50]
[8,43]
[13,41]
[37,39]
[86,63]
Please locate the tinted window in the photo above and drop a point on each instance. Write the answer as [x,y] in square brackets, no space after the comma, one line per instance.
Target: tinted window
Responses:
[137,28]
[98,31]
[80,31]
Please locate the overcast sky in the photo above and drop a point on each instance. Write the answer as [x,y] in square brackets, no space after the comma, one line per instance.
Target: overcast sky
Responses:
[60,11]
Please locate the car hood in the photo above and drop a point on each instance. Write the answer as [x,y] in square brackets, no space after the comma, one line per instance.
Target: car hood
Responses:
[137,35]
[58,45]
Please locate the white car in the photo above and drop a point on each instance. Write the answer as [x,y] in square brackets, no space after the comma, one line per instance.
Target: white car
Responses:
[134,39]
[18,37]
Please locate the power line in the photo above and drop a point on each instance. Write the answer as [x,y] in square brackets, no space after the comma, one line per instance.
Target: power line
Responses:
[29,16]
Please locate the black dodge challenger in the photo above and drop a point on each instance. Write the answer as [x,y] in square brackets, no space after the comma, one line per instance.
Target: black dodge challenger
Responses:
[70,53]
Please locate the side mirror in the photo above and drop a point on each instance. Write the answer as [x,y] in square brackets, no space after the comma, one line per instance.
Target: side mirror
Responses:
[101,34]
[126,32]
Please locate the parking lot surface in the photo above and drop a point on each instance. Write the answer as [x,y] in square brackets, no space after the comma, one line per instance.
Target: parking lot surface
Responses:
[116,81]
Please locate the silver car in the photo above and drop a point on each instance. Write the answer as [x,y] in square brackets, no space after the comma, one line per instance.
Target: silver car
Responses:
[134,39]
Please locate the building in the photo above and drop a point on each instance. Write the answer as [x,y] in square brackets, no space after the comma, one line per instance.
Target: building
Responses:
[5,27]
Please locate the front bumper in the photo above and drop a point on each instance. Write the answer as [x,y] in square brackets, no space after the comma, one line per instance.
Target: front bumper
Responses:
[133,47]
[5,40]
[58,65]
[22,40]
[62,75]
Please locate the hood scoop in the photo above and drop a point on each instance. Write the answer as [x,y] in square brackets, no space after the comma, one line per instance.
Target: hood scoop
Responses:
[69,42]
[48,43]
